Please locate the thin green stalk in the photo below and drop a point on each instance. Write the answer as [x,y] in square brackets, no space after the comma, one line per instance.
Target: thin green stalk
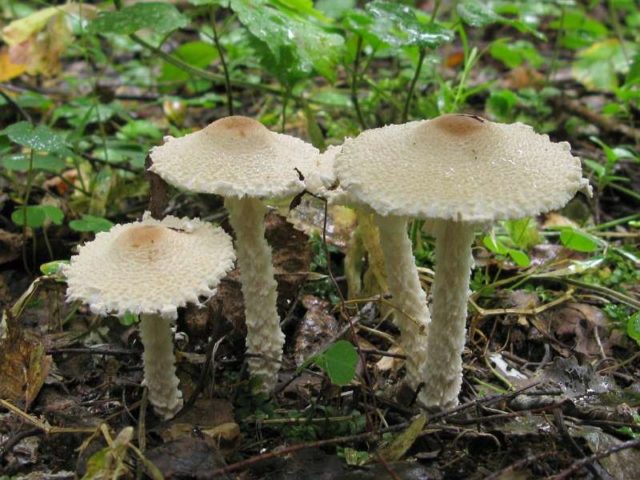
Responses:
[614,223]
[412,86]
[285,100]
[225,69]
[625,190]
[354,84]
[25,202]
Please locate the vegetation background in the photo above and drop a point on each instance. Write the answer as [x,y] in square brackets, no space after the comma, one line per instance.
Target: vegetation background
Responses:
[551,367]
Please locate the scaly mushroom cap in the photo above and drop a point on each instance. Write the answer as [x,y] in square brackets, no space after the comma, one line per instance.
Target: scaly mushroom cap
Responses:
[235,156]
[458,167]
[151,266]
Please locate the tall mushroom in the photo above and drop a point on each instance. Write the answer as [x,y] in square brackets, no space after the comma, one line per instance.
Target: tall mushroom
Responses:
[240,159]
[462,172]
[151,268]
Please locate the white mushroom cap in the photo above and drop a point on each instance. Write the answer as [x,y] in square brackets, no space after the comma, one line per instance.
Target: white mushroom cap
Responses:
[151,266]
[322,175]
[235,156]
[458,167]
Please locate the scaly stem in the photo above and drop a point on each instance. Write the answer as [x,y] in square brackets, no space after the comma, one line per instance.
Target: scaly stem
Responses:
[443,367]
[265,339]
[159,365]
[412,315]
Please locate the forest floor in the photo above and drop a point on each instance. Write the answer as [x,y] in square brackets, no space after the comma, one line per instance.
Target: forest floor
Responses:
[552,361]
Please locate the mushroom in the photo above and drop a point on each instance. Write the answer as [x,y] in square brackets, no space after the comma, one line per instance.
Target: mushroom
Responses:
[240,159]
[150,268]
[463,173]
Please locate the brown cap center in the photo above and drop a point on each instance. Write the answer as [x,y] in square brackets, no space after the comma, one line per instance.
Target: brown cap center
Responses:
[458,125]
[141,237]
[239,126]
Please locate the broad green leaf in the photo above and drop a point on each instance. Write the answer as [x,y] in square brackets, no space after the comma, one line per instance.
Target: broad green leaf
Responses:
[633,327]
[198,54]
[156,16]
[290,46]
[501,103]
[578,241]
[477,14]
[597,67]
[361,23]
[53,268]
[523,232]
[36,215]
[494,244]
[90,223]
[128,319]
[339,362]
[513,54]
[398,25]
[40,137]
[20,163]
[520,257]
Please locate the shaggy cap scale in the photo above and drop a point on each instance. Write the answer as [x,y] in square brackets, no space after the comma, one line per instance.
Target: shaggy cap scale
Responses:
[235,156]
[151,266]
[458,167]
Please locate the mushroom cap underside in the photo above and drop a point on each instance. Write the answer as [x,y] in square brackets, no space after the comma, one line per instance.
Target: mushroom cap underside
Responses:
[151,266]
[458,167]
[235,156]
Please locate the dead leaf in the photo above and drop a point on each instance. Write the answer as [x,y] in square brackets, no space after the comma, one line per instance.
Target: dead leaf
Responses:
[584,325]
[10,246]
[8,69]
[24,365]
[316,328]
[395,450]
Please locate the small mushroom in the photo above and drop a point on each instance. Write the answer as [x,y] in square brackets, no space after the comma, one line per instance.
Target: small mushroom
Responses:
[240,159]
[463,173]
[150,268]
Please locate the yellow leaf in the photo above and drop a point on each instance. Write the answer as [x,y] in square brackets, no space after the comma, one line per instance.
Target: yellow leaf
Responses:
[396,449]
[20,30]
[8,69]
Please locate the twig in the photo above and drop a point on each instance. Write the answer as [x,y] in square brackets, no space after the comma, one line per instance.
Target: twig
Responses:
[605,123]
[504,473]
[158,191]
[567,473]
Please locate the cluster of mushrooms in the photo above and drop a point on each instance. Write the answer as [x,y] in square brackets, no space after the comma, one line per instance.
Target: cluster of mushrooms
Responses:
[461,173]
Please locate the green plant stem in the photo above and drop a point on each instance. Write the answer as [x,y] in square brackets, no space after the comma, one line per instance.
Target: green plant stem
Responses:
[285,101]
[625,190]
[412,86]
[614,223]
[25,202]
[354,84]
[225,69]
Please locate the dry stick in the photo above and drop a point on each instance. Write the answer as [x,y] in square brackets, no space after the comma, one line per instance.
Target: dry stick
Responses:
[596,456]
[504,473]
[571,444]
[158,191]
[605,123]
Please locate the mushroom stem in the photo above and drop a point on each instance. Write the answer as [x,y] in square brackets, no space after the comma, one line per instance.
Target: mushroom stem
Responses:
[443,367]
[409,298]
[259,289]
[159,365]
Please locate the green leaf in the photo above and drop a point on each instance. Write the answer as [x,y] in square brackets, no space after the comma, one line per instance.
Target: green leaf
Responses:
[128,319]
[520,257]
[597,67]
[53,268]
[91,223]
[399,26]
[159,17]
[339,362]
[494,245]
[633,327]
[20,163]
[477,14]
[290,46]
[523,232]
[578,241]
[198,54]
[40,137]
[513,54]
[501,103]
[37,215]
